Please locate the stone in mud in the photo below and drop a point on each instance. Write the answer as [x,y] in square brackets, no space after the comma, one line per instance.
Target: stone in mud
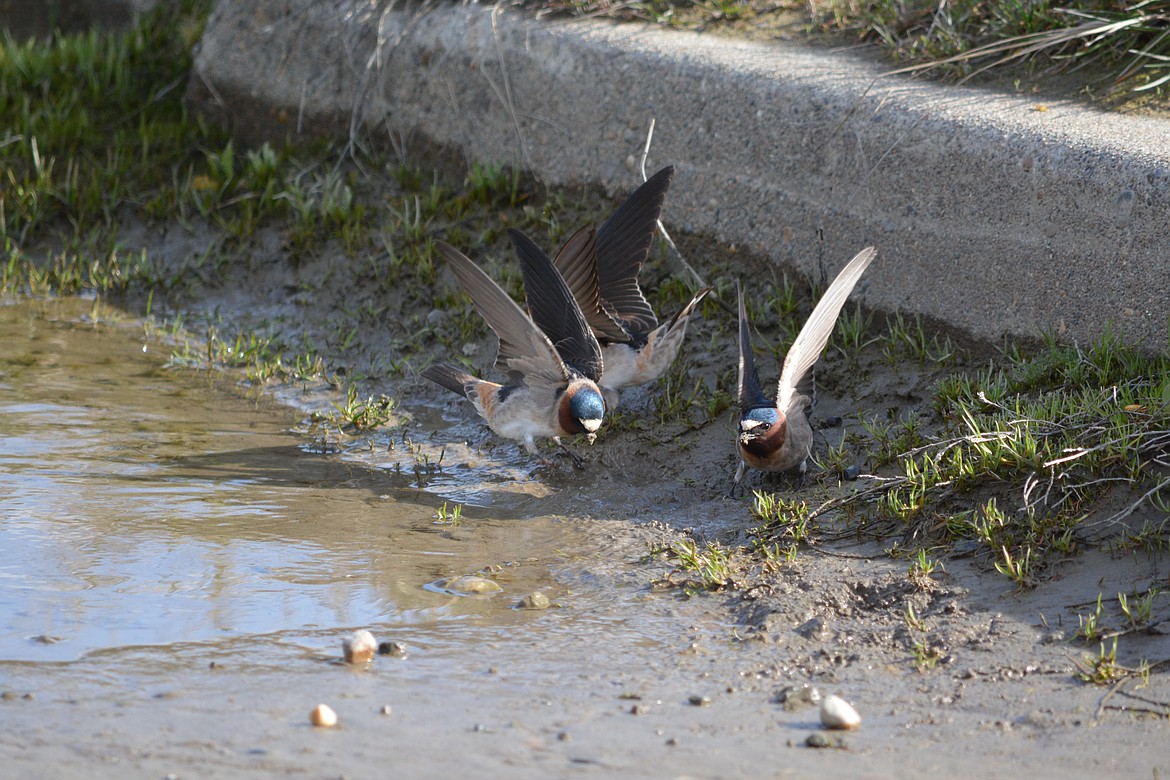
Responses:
[468,585]
[359,648]
[534,600]
[323,716]
[836,713]
[796,697]
[392,649]
[819,739]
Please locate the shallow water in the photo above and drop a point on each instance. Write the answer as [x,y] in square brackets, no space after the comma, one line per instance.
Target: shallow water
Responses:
[143,505]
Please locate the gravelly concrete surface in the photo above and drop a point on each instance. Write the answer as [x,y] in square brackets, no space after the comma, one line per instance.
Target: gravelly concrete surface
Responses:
[991,213]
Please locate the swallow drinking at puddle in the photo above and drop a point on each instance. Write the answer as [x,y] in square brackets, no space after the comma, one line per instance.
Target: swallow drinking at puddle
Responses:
[636,348]
[553,370]
[776,435]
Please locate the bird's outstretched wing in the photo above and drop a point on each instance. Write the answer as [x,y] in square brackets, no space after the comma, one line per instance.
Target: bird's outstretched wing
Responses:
[622,245]
[751,395]
[555,311]
[811,340]
[525,351]
[577,264]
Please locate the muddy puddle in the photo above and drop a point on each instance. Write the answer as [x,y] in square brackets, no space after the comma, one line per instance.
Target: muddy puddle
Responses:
[181,560]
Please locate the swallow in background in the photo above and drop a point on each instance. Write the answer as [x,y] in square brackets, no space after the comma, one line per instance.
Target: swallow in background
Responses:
[637,349]
[553,373]
[776,436]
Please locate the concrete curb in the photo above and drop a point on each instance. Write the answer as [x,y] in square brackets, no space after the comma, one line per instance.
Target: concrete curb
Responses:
[991,214]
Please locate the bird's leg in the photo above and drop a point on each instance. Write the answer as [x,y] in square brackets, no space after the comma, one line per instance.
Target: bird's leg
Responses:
[578,461]
[530,445]
[738,489]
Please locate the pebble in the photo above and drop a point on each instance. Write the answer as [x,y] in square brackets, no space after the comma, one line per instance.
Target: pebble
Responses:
[700,701]
[385,709]
[534,600]
[468,585]
[799,696]
[821,740]
[392,649]
[836,713]
[359,648]
[323,716]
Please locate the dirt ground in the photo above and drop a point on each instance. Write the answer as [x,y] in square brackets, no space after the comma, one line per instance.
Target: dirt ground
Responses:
[1002,691]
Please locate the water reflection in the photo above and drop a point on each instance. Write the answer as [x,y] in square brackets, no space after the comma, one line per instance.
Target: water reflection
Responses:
[146,506]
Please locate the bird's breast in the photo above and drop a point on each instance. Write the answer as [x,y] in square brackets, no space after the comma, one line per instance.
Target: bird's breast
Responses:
[761,442]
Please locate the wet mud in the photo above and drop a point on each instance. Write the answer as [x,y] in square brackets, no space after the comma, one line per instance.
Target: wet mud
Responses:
[185,555]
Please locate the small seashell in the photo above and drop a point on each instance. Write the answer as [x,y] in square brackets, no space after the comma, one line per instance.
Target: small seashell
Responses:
[323,716]
[359,648]
[386,709]
[836,713]
[534,600]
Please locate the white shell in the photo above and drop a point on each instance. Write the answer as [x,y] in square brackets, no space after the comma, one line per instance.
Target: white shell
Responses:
[323,716]
[836,713]
[360,647]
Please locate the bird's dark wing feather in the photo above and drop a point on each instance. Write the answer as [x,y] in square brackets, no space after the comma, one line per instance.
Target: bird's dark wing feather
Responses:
[751,395]
[555,311]
[525,351]
[577,264]
[622,245]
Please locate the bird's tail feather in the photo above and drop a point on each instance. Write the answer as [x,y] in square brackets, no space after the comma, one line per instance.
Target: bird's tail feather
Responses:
[454,379]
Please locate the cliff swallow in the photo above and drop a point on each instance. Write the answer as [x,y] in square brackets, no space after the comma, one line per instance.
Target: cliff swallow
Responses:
[553,372]
[776,436]
[636,347]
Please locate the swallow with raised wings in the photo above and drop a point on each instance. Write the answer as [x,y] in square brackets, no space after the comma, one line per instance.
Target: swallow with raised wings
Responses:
[636,347]
[776,435]
[553,371]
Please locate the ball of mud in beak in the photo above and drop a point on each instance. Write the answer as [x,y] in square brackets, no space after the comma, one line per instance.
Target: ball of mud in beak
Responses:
[836,713]
[323,716]
[359,648]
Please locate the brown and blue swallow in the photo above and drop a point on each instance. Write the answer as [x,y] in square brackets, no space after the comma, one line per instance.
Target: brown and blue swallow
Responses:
[637,348]
[553,372]
[776,435]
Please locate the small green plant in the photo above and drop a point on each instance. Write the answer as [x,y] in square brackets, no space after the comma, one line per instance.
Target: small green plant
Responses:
[926,656]
[922,570]
[706,568]
[367,413]
[852,332]
[908,339]
[1103,668]
[1089,628]
[1019,568]
[452,516]
[782,520]
[1141,611]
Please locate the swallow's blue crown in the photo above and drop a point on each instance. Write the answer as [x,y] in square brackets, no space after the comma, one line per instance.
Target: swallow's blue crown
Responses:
[587,404]
[762,414]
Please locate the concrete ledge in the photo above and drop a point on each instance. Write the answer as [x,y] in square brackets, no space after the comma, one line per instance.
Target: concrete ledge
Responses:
[990,213]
